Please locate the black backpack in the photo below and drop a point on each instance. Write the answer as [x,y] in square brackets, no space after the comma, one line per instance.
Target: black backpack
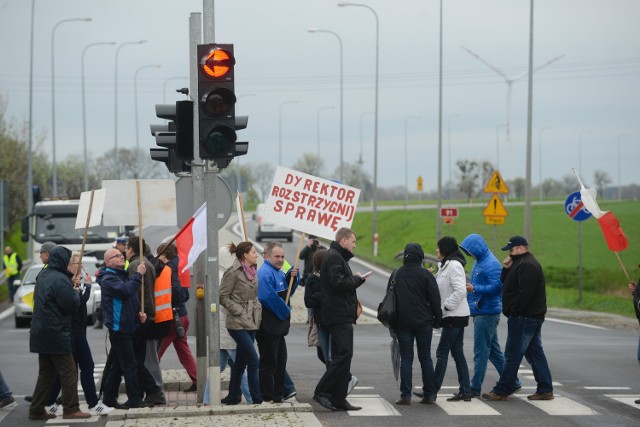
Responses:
[387,311]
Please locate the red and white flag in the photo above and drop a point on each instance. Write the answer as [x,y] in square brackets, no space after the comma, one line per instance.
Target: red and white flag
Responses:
[613,234]
[191,240]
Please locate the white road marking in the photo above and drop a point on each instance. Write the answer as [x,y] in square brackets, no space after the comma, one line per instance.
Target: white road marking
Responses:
[568,322]
[475,407]
[607,388]
[560,406]
[372,406]
[627,399]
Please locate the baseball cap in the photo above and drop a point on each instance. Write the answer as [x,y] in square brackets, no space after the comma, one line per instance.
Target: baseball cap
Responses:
[47,246]
[515,241]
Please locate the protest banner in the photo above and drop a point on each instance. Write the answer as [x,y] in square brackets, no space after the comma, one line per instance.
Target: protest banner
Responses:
[310,204]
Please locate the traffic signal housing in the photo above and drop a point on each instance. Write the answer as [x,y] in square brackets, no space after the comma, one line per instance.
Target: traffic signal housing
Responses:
[216,103]
[175,137]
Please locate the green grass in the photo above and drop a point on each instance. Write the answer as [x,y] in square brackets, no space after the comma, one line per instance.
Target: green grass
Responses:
[554,241]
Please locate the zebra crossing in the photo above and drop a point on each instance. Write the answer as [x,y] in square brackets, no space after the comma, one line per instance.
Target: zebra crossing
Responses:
[374,405]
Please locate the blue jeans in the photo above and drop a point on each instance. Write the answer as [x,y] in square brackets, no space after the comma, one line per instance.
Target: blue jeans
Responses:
[5,393]
[422,335]
[246,358]
[452,340]
[524,339]
[485,348]
[324,336]
[230,355]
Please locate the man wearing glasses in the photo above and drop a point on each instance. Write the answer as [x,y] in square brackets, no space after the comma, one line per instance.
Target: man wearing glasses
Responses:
[121,315]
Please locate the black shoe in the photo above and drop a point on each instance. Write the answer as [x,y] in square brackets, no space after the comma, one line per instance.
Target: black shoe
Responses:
[458,397]
[475,393]
[638,401]
[324,401]
[114,404]
[418,394]
[141,404]
[346,406]
[290,395]
[428,400]
[192,389]
[156,398]
[28,398]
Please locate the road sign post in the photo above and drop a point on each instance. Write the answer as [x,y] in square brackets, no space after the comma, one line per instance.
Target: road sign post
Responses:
[495,212]
[576,210]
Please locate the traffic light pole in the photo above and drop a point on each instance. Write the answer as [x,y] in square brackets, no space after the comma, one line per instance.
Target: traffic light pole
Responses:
[211,264]
[197,177]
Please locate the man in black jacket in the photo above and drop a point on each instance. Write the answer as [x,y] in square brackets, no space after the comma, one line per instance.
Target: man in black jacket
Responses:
[339,312]
[55,301]
[524,302]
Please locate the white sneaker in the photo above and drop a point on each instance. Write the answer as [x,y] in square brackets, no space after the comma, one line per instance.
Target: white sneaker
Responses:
[53,409]
[352,383]
[100,409]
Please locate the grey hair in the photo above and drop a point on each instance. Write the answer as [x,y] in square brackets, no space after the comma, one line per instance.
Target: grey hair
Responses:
[268,247]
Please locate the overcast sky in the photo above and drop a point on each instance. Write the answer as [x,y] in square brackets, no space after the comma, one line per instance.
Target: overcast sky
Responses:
[593,90]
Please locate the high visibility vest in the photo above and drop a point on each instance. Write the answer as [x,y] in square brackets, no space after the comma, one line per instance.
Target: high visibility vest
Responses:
[162,292]
[10,265]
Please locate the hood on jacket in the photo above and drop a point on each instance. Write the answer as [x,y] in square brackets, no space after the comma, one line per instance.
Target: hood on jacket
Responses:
[474,245]
[346,254]
[413,254]
[59,258]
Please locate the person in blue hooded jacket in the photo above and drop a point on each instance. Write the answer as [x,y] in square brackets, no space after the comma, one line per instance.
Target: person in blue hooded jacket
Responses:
[276,317]
[485,303]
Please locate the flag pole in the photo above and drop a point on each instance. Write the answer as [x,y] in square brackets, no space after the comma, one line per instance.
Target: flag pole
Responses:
[295,265]
[244,222]
[86,227]
[622,266]
[140,246]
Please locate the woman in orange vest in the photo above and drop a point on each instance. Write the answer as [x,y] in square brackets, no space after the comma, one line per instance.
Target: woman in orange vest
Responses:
[179,295]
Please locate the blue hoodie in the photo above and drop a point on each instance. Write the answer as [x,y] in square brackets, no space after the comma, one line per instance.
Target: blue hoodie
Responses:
[486,297]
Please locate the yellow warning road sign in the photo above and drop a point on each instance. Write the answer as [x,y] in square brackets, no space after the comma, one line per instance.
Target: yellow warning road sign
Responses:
[496,184]
[494,220]
[495,208]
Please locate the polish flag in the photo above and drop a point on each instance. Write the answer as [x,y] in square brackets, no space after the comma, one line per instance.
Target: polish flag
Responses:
[613,234]
[191,240]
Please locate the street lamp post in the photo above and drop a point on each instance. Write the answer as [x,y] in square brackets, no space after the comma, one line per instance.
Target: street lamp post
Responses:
[374,196]
[317,30]
[449,144]
[282,104]
[164,86]
[620,165]
[85,180]
[115,105]
[540,157]
[406,161]
[318,131]
[53,98]
[360,160]
[135,106]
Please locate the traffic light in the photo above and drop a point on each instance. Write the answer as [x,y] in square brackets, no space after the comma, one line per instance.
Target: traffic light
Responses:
[175,137]
[216,104]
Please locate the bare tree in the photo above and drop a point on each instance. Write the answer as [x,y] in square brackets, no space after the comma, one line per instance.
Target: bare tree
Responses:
[469,174]
[310,163]
[601,179]
[263,174]
[357,178]
[570,183]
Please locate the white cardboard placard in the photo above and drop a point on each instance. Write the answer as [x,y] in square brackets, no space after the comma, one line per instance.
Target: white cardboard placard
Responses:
[96,210]
[157,197]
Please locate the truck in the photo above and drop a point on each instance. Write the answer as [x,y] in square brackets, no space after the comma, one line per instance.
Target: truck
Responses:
[55,220]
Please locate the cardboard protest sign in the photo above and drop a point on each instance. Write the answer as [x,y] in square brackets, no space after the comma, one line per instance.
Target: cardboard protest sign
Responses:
[157,200]
[310,204]
[96,208]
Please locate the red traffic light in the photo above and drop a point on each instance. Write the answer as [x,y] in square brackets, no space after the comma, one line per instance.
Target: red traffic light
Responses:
[217,63]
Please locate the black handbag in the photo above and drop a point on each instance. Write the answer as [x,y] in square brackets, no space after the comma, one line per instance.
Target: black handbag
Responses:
[387,310]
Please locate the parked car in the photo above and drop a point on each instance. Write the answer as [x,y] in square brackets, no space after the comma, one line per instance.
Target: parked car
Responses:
[270,230]
[26,286]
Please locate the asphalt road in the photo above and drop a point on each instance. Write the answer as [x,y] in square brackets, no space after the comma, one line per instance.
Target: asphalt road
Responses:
[595,371]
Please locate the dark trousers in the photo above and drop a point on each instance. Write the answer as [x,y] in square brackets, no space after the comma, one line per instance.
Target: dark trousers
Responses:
[84,361]
[48,366]
[422,335]
[335,380]
[273,365]
[12,289]
[147,382]
[123,362]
